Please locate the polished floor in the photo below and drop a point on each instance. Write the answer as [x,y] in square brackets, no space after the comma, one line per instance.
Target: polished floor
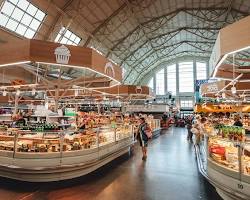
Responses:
[170,173]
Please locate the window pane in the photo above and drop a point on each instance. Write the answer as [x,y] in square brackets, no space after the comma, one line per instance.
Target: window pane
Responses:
[21,29]
[151,83]
[57,37]
[12,25]
[7,8]
[31,10]
[29,33]
[186,77]
[171,79]
[160,80]
[34,24]
[186,104]
[3,20]
[64,40]
[26,19]
[23,4]
[201,70]
[77,40]
[40,15]
[17,14]
[68,37]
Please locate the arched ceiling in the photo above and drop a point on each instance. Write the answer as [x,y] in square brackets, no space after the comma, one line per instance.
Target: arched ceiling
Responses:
[140,34]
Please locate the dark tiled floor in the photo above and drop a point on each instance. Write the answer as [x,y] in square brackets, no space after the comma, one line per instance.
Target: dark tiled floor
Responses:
[170,173]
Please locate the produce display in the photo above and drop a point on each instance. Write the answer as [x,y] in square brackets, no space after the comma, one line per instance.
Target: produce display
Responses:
[231,132]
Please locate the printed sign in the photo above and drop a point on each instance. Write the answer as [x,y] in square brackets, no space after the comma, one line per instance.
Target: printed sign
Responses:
[62,54]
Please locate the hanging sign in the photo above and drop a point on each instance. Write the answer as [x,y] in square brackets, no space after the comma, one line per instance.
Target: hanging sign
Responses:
[214,87]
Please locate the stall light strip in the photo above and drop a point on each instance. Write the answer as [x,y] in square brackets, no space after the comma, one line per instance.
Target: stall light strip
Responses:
[81,67]
[15,63]
[18,86]
[225,56]
[217,66]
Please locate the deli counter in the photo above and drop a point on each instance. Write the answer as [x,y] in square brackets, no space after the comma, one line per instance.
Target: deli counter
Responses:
[53,156]
[225,161]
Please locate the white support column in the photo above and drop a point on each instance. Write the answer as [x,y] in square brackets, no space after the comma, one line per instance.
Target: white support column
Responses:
[207,65]
[177,79]
[154,81]
[194,73]
[166,79]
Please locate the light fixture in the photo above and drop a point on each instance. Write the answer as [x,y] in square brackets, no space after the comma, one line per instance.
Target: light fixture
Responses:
[223,95]
[33,92]
[18,92]
[217,98]
[233,90]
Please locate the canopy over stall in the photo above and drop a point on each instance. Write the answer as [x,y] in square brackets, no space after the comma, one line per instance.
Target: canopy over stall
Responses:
[230,60]
[47,66]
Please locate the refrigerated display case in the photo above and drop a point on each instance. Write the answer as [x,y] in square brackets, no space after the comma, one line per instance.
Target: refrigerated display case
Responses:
[225,163]
[52,156]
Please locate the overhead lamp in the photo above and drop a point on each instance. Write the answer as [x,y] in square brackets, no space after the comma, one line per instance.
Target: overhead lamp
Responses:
[223,95]
[33,92]
[18,92]
[233,90]
[4,93]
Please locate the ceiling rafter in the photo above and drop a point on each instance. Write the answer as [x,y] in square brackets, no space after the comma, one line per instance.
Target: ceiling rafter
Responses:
[56,20]
[104,23]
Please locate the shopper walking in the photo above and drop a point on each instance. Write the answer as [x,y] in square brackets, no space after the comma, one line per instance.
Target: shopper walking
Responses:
[189,122]
[143,137]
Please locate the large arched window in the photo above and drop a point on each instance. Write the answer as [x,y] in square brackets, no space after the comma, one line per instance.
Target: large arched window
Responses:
[160,82]
[151,83]
[171,79]
[186,77]
[201,70]
[167,79]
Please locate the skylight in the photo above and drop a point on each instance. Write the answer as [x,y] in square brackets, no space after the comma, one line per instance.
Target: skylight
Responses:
[21,17]
[67,37]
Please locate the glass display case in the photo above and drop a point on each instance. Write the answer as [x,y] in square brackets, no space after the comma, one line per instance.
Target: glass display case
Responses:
[224,152]
[42,142]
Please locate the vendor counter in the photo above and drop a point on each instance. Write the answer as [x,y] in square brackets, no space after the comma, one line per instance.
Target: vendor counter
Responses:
[54,156]
[226,164]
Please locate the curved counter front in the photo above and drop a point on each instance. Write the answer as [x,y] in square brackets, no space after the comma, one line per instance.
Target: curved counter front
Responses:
[225,163]
[43,160]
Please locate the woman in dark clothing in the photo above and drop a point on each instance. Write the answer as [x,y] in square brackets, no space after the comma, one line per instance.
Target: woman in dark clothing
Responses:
[142,137]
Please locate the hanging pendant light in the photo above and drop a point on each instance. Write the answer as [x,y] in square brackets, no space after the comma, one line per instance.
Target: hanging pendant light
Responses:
[4,93]
[33,92]
[18,92]
[223,95]
[233,90]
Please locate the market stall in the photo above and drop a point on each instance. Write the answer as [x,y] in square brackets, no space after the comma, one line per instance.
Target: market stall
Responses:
[223,156]
[37,76]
